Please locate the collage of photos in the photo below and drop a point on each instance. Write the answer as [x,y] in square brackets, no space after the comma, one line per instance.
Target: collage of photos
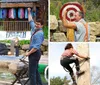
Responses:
[23,32]
[49,42]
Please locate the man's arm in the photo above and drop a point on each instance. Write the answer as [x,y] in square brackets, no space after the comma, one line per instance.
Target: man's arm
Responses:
[86,35]
[66,23]
[31,51]
[30,19]
[29,15]
[81,56]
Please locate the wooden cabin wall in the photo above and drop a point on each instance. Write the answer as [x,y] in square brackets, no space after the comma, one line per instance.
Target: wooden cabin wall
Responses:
[22,24]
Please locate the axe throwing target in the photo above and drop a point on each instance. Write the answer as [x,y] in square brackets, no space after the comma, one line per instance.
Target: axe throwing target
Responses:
[71,7]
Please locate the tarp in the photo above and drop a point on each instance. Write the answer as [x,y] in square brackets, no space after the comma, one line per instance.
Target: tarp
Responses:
[21,13]
[4,13]
[42,68]
[12,13]
[3,49]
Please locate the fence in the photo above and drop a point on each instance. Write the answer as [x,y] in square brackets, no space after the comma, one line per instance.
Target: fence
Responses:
[14,26]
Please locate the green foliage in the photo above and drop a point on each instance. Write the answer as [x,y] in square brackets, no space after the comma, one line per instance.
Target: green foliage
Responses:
[5,41]
[55,7]
[59,81]
[56,81]
[92,11]
[21,42]
[43,78]
[92,8]
[45,30]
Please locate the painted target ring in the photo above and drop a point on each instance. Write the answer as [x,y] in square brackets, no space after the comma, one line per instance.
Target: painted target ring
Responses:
[71,7]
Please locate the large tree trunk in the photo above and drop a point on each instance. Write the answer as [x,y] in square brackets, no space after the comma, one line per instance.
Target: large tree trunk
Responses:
[84,79]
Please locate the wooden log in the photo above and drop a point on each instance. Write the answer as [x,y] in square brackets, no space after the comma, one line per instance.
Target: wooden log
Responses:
[83,48]
[70,35]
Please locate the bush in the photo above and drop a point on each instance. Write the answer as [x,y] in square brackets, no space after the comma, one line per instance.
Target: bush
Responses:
[45,30]
[21,42]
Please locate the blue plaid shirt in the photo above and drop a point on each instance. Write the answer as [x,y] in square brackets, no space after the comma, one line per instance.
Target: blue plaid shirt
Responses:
[37,38]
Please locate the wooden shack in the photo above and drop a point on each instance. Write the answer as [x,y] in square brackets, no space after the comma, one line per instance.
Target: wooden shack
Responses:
[16,24]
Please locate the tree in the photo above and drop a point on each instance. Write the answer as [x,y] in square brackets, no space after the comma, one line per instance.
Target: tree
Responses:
[95,75]
[59,81]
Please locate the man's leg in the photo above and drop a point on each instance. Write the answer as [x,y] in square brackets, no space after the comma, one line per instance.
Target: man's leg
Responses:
[32,70]
[65,63]
[71,72]
[38,78]
[78,67]
[76,61]
[77,64]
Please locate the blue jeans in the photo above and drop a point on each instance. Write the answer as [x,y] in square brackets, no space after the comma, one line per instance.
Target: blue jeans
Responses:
[34,74]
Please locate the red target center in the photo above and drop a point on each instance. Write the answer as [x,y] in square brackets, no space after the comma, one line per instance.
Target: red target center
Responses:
[71,14]
[71,7]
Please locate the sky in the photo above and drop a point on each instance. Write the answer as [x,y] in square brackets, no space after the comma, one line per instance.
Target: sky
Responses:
[55,51]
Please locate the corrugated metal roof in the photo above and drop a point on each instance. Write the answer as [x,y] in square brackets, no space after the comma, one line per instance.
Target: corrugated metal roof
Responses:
[19,0]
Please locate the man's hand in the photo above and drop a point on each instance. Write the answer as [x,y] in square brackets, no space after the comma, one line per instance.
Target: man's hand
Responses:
[29,15]
[31,51]
[66,24]
[86,38]
[29,9]
[65,13]
[27,54]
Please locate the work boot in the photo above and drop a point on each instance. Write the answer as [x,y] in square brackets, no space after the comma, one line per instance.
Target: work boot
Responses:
[73,79]
[79,73]
[74,83]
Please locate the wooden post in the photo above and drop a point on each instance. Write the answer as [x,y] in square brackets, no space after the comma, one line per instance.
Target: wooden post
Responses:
[12,47]
[83,48]
[70,35]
